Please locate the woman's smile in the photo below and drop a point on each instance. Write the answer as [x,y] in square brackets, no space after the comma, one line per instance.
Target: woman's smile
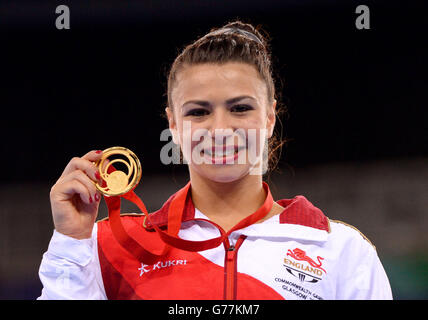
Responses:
[222,154]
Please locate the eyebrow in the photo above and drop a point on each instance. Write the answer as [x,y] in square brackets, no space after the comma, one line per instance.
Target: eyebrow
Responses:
[207,103]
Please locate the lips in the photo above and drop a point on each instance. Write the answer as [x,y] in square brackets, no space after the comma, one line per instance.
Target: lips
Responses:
[222,154]
[222,151]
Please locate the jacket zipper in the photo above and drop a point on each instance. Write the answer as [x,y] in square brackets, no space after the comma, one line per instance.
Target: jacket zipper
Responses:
[230,268]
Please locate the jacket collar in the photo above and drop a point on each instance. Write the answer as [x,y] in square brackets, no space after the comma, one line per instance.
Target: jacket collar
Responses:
[299,219]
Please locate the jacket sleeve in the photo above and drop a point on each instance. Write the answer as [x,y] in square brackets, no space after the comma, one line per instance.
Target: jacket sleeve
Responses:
[70,269]
[365,277]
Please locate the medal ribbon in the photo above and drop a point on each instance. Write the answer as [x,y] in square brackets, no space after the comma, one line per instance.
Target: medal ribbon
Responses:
[175,215]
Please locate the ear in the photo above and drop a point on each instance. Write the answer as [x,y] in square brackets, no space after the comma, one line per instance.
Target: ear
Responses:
[172,125]
[271,119]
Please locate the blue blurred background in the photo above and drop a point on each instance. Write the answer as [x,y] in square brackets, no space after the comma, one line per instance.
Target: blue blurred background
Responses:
[356,99]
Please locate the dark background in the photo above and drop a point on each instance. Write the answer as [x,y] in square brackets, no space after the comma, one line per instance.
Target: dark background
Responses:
[356,99]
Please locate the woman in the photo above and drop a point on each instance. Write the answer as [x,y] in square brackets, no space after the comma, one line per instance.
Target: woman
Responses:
[221,111]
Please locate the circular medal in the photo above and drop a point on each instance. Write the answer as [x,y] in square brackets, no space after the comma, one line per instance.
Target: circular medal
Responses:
[123,176]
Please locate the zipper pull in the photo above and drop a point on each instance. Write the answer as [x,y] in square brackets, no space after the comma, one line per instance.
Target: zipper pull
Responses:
[230,253]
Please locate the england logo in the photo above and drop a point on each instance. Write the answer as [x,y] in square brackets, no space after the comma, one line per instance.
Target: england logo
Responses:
[301,266]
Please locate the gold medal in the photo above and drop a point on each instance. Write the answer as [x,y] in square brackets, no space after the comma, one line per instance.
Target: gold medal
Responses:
[118,182]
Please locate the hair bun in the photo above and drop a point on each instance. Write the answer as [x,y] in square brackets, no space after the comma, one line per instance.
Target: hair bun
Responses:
[244,32]
[242,28]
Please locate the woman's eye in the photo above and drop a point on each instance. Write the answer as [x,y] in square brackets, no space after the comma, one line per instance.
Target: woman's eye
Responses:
[241,108]
[197,112]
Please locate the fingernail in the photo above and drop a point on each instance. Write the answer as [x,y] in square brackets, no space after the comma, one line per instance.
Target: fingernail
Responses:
[97,175]
[97,197]
[90,199]
[98,151]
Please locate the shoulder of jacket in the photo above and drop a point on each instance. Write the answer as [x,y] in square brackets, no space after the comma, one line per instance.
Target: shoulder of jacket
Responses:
[347,227]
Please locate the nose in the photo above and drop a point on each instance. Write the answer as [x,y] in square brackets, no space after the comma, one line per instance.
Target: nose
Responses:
[220,127]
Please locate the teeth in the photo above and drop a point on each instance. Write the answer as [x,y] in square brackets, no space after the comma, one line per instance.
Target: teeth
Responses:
[227,152]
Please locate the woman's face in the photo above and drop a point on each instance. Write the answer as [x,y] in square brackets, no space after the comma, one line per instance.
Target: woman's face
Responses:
[221,119]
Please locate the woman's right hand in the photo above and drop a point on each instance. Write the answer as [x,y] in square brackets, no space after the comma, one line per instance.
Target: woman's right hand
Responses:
[74,197]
